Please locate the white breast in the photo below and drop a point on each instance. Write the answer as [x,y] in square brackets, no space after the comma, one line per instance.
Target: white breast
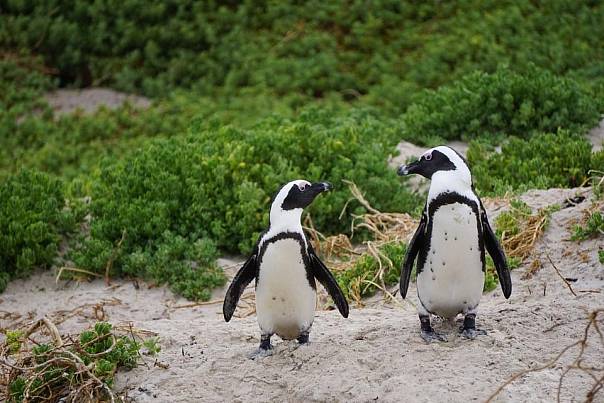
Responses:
[452,279]
[285,301]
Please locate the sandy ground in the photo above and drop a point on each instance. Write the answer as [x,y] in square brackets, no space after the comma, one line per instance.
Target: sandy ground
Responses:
[88,100]
[374,355]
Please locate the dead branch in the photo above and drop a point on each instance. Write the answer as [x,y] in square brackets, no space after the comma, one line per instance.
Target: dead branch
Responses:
[592,372]
[560,275]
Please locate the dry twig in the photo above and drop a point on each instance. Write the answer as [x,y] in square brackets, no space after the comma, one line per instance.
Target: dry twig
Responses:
[592,372]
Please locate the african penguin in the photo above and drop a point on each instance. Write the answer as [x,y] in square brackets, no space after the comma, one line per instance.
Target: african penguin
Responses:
[285,266]
[449,244]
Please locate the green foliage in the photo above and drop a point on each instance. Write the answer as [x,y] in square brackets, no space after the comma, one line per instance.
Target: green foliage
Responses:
[356,282]
[502,103]
[195,172]
[57,370]
[546,160]
[152,346]
[14,340]
[32,219]
[386,49]
[601,256]
[491,281]
[164,203]
[510,221]
[594,227]
[16,390]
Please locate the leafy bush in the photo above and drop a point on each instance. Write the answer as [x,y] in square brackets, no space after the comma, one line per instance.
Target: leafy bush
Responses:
[544,161]
[155,212]
[84,365]
[594,226]
[32,219]
[310,48]
[502,103]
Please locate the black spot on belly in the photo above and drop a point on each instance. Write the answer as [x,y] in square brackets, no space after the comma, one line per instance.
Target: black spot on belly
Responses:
[456,238]
[433,278]
[282,299]
[274,298]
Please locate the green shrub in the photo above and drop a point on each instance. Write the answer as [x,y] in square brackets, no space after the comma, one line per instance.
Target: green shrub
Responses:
[310,48]
[83,365]
[544,161]
[154,213]
[33,217]
[502,103]
[356,281]
[594,227]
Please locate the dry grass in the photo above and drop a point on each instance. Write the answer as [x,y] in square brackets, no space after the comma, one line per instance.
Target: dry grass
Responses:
[341,255]
[66,372]
[521,245]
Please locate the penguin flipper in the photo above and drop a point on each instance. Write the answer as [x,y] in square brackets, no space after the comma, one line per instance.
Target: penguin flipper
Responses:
[412,250]
[322,273]
[494,248]
[244,276]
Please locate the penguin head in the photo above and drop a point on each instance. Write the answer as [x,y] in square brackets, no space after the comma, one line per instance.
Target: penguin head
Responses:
[441,160]
[292,198]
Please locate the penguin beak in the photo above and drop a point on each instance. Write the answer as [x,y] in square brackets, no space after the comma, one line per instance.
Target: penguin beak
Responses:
[408,169]
[320,187]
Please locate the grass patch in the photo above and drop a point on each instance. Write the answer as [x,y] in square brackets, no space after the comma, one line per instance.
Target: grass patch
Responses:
[593,227]
[517,229]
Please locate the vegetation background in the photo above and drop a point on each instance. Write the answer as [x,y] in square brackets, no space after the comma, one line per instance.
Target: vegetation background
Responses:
[248,95]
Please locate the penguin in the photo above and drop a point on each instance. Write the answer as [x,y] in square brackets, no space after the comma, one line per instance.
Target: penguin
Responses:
[450,244]
[285,267]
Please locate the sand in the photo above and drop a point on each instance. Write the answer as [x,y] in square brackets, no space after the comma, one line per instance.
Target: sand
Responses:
[374,355]
[88,100]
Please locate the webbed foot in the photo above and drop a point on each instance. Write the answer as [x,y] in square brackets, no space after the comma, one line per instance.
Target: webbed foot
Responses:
[428,333]
[471,333]
[264,350]
[468,330]
[430,336]
[303,338]
[260,353]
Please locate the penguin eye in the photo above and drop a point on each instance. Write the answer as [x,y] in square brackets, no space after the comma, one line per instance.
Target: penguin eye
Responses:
[428,157]
[302,187]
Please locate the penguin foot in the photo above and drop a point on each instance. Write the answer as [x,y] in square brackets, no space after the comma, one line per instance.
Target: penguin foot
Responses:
[471,333]
[265,348]
[430,336]
[260,353]
[303,338]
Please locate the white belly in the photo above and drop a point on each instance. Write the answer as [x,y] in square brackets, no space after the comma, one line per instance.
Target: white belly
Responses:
[451,281]
[285,301]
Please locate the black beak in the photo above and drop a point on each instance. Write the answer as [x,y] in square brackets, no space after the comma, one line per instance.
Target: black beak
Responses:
[320,187]
[408,169]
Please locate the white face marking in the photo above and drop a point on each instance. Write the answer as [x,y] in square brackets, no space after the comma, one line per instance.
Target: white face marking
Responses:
[458,180]
[285,220]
